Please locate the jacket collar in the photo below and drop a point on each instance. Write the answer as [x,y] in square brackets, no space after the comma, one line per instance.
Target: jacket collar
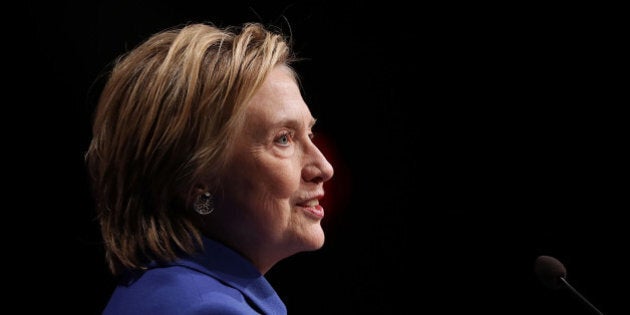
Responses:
[229,267]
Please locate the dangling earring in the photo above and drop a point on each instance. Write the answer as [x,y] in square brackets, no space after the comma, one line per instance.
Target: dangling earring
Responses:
[204,205]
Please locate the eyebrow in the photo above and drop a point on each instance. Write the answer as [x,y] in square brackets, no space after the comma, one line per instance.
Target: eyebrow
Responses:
[295,123]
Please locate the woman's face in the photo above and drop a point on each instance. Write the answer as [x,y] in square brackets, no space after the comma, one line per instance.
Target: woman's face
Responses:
[276,174]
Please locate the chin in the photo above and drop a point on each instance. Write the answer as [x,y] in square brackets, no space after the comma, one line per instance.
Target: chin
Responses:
[315,239]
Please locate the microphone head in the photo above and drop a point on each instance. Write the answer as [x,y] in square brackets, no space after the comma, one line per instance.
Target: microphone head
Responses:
[549,271]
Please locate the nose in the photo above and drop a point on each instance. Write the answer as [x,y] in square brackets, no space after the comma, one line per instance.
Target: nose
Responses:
[317,168]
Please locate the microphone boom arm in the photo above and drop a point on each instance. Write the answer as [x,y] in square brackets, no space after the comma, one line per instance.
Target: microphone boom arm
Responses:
[580,295]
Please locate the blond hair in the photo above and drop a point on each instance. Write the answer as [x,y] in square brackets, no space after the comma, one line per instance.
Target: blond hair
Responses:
[163,123]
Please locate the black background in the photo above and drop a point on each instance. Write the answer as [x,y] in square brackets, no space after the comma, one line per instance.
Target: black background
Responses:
[467,140]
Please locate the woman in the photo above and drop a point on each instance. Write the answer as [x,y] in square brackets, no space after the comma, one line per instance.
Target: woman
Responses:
[204,171]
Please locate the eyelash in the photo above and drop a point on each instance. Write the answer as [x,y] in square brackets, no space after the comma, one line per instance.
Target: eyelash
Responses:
[287,134]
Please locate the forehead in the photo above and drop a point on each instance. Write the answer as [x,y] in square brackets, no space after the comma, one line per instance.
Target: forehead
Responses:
[278,100]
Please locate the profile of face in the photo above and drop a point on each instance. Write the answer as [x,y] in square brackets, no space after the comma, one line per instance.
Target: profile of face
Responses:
[275,175]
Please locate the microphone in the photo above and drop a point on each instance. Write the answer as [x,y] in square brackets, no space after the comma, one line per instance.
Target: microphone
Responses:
[552,273]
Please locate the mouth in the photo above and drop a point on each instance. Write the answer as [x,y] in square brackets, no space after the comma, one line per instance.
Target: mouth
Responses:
[312,208]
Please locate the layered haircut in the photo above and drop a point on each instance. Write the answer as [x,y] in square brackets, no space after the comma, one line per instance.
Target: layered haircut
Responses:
[164,123]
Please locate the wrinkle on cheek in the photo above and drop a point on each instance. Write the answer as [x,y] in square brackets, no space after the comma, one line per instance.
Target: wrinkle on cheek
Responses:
[256,151]
[275,177]
[258,163]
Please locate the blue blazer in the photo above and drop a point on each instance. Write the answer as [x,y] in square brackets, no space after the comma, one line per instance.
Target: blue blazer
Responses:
[217,281]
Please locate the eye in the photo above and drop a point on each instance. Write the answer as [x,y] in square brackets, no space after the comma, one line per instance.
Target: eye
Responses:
[284,139]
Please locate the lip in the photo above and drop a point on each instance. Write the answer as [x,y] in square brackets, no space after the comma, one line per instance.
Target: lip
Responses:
[311,206]
[316,212]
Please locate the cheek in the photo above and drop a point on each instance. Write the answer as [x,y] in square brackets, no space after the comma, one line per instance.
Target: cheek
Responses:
[262,177]
[281,180]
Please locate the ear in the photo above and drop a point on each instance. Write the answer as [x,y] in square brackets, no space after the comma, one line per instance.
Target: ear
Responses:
[198,189]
